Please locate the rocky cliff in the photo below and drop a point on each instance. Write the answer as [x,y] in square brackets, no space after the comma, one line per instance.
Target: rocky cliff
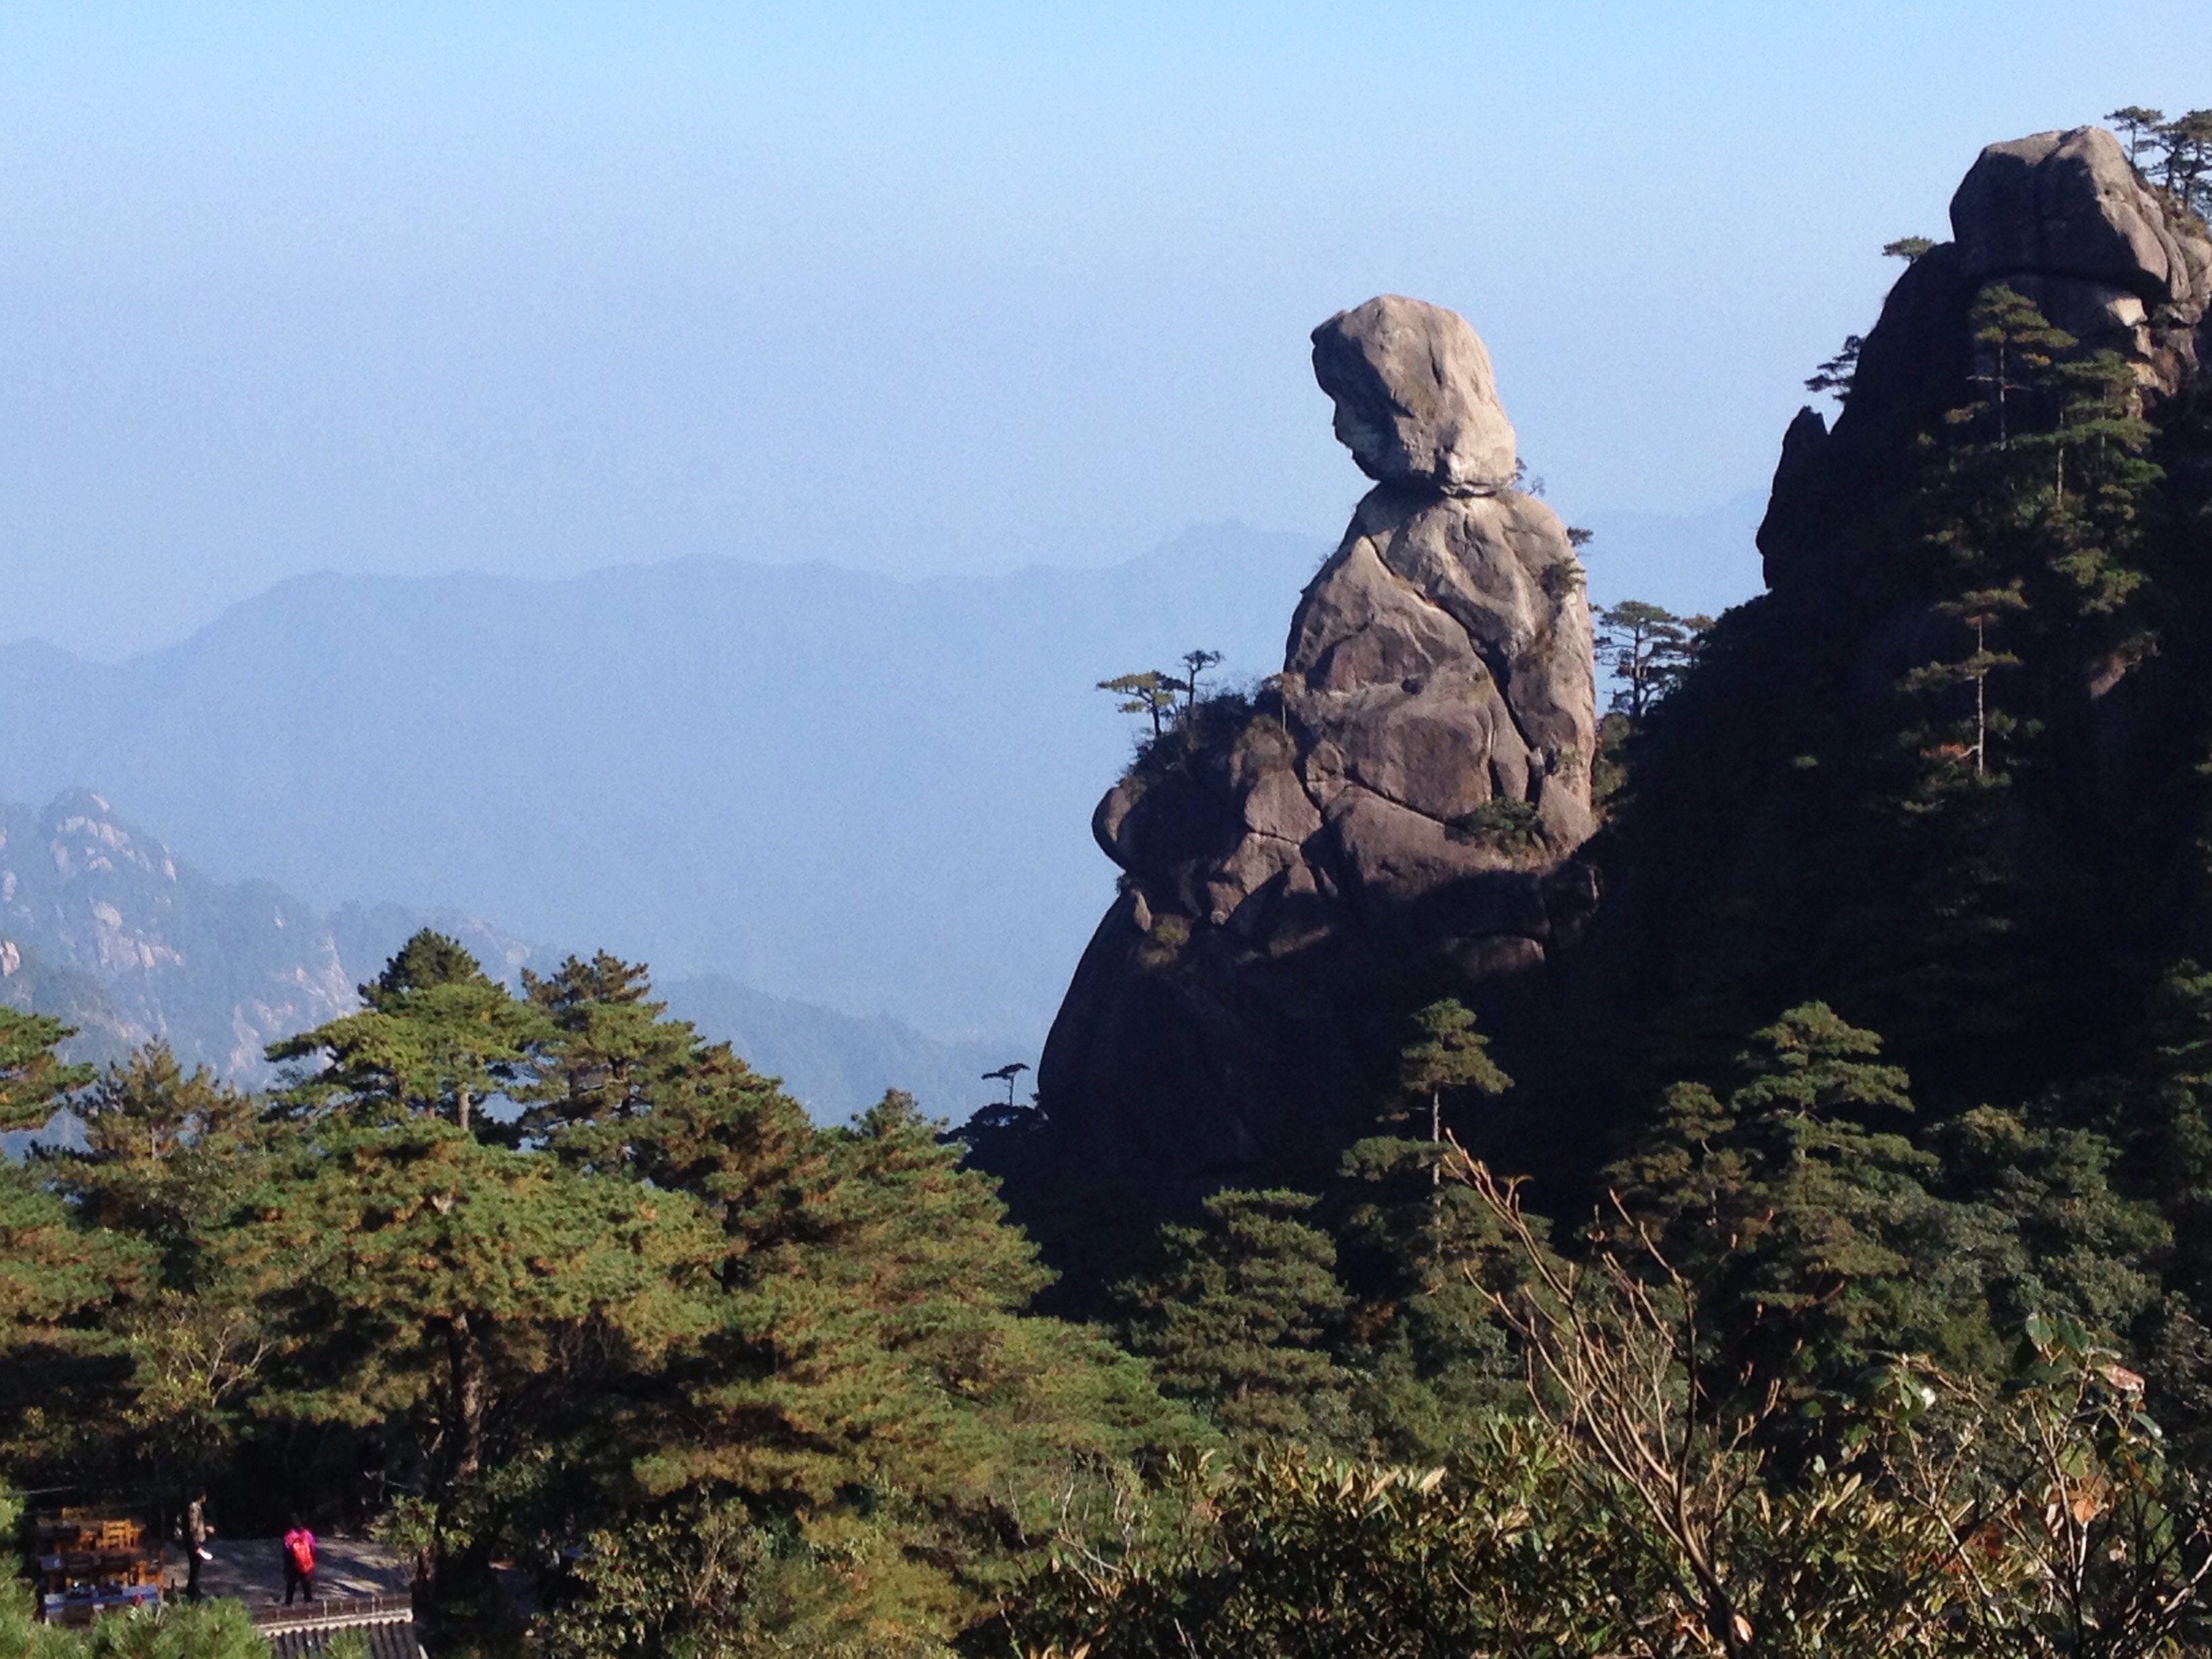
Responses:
[1390,818]
[1948,773]
[2064,219]
[100,926]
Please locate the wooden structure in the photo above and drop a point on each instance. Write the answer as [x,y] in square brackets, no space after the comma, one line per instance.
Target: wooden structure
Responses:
[94,1561]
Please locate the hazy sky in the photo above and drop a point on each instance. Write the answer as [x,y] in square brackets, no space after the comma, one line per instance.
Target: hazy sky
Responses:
[535,287]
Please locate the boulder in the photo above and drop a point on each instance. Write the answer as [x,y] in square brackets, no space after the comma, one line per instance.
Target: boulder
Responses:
[1416,402]
[2070,204]
[2064,219]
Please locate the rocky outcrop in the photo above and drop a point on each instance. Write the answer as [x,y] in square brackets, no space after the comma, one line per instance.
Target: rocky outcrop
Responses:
[1982,839]
[1390,819]
[2061,217]
[1416,401]
[2069,205]
[102,928]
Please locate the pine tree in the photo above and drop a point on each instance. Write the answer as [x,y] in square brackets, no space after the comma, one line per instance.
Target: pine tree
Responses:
[62,1379]
[32,1076]
[438,1038]
[1421,1339]
[170,1155]
[1150,693]
[1835,376]
[874,1366]
[2017,343]
[2031,522]
[2139,127]
[60,1276]
[2051,480]
[146,1109]
[1649,648]
[1237,1315]
[2093,524]
[604,1050]
[1792,1211]
[1450,1057]
[414,1270]
[53,1269]
[2187,141]
[1194,666]
[1979,610]
[2161,1115]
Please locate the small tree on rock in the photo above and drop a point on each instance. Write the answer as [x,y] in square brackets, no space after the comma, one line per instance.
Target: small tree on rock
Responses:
[2138,127]
[1649,649]
[1194,664]
[1150,693]
[1835,376]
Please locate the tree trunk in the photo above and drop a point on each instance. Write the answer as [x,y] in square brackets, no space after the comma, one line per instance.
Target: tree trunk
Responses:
[465,1384]
[1981,701]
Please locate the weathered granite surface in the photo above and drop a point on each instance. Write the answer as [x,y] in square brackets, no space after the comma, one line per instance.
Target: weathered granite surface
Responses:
[1392,818]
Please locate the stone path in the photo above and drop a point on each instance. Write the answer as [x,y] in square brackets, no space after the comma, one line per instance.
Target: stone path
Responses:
[251,1570]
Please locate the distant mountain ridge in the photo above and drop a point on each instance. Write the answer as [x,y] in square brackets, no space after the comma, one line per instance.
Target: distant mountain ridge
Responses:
[836,786]
[103,929]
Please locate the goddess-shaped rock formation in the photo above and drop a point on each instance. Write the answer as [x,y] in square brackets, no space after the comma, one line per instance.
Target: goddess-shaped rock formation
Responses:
[1390,820]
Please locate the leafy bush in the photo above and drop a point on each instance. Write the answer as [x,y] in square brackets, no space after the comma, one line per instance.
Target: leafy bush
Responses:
[1506,822]
[705,1579]
[1639,1508]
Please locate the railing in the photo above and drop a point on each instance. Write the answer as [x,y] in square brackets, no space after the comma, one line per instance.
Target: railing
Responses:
[338,1610]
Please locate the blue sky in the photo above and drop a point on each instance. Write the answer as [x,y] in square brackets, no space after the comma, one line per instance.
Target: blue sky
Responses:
[534,289]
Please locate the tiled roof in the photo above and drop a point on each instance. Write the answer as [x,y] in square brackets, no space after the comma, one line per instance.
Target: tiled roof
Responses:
[393,1639]
[304,1632]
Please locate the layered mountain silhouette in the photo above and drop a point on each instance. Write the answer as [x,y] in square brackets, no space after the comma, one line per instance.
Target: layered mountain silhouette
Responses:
[838,787]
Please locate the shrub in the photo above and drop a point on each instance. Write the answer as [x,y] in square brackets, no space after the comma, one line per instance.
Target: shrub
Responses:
[1512,826]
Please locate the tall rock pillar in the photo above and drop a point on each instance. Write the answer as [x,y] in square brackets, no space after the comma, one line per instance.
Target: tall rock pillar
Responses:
[1390,820]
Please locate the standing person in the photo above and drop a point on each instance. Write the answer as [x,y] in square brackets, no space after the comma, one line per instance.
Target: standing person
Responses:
[368,1465]
[299,1563]
[197,1533]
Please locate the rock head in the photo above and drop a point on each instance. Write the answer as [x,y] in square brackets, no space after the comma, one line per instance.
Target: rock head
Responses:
[1392,819]
[2069,205]
[1416,401]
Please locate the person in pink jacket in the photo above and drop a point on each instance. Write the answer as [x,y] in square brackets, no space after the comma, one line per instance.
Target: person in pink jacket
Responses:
[299,1563]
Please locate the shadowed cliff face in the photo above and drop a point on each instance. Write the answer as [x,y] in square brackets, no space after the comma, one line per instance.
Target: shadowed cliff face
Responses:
[1389,821]
[1404,813]
[1825,808]
[2062,218]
